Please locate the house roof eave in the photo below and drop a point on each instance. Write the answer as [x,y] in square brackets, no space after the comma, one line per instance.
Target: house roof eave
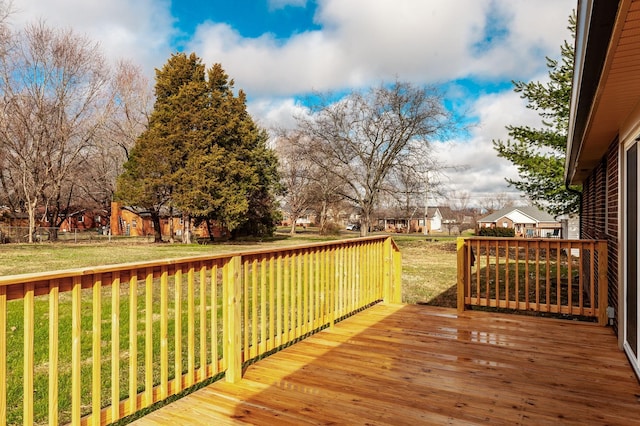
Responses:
[595,27]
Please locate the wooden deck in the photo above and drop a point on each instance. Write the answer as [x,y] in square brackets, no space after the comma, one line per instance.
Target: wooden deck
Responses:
[418,365]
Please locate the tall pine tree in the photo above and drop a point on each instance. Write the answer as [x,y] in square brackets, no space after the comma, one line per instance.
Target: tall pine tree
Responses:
[202,154]
[539,153]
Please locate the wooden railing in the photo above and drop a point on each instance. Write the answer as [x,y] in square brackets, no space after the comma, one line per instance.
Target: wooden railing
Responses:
[94,345]
[542,275]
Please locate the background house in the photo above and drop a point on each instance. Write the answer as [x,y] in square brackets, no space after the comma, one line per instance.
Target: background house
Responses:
[442,219]
[134,221]
[528,221]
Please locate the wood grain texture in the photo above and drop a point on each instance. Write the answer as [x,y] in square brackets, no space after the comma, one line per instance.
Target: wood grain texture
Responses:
[395,364]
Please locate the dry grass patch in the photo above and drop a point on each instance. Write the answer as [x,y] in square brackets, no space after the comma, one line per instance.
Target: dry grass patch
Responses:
[429,271]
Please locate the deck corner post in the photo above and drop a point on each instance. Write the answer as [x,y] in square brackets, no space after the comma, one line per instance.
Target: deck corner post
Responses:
[603,284]
[232,294]
[461,276]
[387,275]
[397,275]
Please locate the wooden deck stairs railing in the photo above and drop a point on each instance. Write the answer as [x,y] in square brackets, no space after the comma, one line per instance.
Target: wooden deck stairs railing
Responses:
[565,277]
[94,345]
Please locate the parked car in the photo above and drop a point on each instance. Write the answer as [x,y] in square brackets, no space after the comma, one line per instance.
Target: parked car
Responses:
[353,227]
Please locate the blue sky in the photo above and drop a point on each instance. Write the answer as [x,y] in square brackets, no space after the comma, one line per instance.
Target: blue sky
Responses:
[278,51]
[250,18]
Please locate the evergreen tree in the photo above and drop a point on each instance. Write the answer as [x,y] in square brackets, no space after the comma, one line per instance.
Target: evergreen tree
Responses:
[539,153]
[160,153]
[202,155]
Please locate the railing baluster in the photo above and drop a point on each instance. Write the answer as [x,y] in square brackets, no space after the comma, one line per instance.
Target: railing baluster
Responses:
[115,345]
[191,332]
[245,307]
[54,303]
[254,308]
[28,344]
[506,274]
[497,271]
[570,276]
[272,286]
[263,305]
[559,276]
[286,298]
[177,334]
[308,300]
[133,343]
[148,338]
[214,318]
[96,380]
[299,294]
[202,374]
[517,276]
[547,285]
[537,275]
[76,351]
[526,276]
[164,332]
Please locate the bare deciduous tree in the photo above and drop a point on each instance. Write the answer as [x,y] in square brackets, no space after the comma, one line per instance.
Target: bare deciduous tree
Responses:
[296,174]
[360,138]
[408,183]
[132,98]
[54,101]
[497,202]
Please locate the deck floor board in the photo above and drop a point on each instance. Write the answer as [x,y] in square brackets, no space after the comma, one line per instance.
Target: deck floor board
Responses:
[411,365]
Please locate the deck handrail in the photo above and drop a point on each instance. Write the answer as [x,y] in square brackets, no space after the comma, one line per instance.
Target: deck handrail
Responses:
[554,276]
[144,331]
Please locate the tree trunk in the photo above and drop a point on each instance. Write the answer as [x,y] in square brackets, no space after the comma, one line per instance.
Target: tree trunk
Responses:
[210,230]
[32,221]
[364,225]
[323,217]
[293,225]
[157,230]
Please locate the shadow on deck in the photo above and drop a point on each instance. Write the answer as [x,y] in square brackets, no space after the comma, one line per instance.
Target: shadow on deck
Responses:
[410,364]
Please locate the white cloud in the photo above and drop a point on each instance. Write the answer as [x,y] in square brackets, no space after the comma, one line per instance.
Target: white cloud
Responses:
[363,42]
[137,30]
[273,114]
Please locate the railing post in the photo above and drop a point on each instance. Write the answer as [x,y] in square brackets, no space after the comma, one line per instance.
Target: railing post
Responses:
[603,283]
[232,329]
[461,272]
[391,272]
[397,276]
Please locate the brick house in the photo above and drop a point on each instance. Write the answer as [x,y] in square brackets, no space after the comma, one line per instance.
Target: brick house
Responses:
[527,221]
[602,150]
[136,222]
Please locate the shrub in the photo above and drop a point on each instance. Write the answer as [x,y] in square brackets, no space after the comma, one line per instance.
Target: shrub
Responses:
[497,232]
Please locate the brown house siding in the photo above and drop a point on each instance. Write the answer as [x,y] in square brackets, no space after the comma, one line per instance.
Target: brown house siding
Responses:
[600,214]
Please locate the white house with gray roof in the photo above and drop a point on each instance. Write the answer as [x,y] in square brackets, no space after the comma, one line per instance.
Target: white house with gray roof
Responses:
[528,222]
